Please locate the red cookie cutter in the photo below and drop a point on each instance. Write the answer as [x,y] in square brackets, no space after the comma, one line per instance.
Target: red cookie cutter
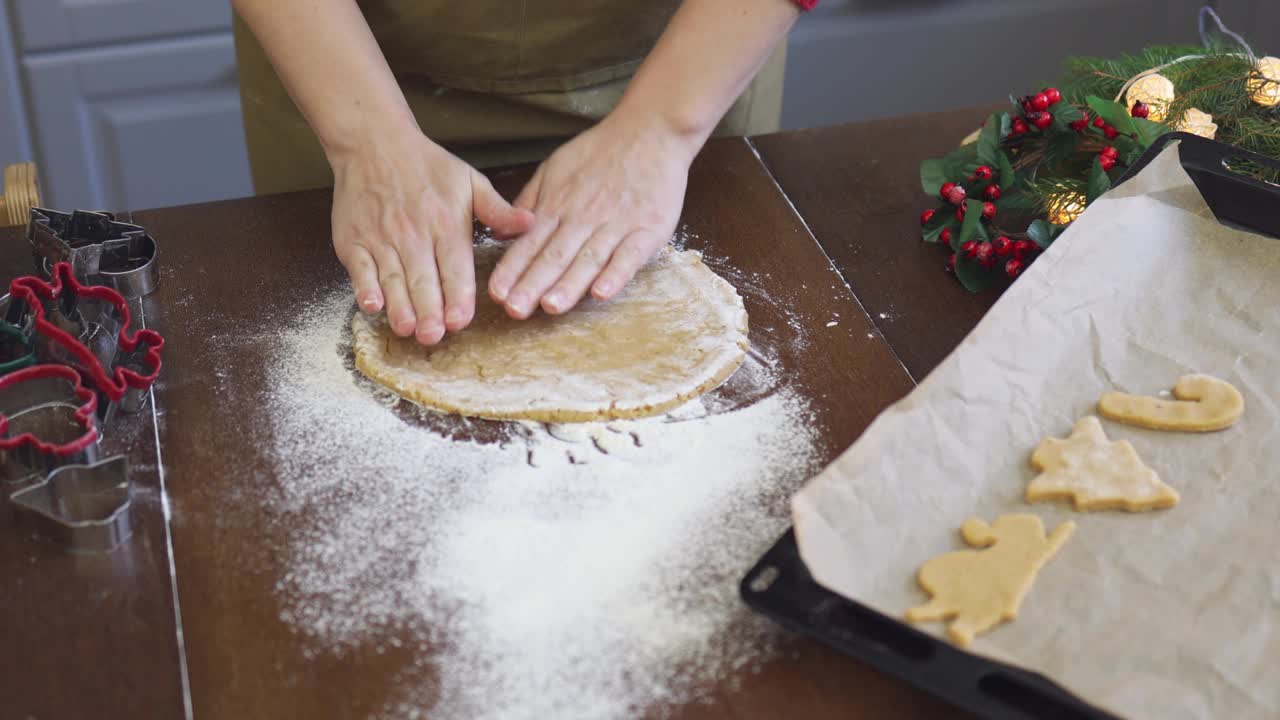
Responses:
[126,376]
[46,421]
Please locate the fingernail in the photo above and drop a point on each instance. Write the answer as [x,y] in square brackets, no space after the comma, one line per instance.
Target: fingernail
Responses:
[554,300]
[430,332]
[498,290]
[453,315]
[603,288]
[517,302]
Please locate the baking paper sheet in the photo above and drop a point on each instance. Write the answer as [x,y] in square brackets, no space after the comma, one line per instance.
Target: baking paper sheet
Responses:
[1167,614]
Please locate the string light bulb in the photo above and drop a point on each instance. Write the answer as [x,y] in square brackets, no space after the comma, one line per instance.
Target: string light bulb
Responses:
[1065,207]
[1264,84]
[1197,122]
[1154,90]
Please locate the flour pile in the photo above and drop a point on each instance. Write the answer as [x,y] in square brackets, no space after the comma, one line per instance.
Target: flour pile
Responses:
[556,571]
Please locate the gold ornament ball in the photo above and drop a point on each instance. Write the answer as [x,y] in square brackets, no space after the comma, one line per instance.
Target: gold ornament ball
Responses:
[1197,122]
[1065,207]
[1156,91]
[1264,84]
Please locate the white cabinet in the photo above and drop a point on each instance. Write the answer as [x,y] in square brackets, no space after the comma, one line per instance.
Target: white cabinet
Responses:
[128,104]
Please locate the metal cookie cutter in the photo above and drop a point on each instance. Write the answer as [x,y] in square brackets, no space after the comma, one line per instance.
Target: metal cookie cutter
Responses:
[101,250]
[46,422]
[84,507]
[87,328]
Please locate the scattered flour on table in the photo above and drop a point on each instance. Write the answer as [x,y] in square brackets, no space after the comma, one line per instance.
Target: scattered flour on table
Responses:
[559,571]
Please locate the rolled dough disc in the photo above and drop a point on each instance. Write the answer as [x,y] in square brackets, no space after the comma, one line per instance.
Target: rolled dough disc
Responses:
[675,332]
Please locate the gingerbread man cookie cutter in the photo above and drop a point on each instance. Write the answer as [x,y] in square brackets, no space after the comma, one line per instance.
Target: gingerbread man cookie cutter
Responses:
[86,508]
[100,249]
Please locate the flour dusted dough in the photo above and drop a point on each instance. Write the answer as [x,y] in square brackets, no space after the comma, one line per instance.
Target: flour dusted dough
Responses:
[978,590]
[1096,473]
[675,332]
[1203,404]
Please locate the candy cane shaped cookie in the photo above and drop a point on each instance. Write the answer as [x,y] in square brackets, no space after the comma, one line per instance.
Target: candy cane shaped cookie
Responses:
[1203,404]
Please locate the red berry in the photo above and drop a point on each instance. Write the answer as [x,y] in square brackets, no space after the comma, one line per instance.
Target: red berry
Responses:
[1040,101]
[982,172]
[1109,151]
[1022,249]
[985,255]
[991,193]
[946,188]
[1002,245]
[951,263]
[1110,132]
[1041,120]
[1026,104]
[1081,124]
[954,194]
[926,216]
[1099,122]
[1140,110]
[988,210]
[945,236]
[1052,95]
[1107,162]
[1014,268]
[960,213]
[970,249]
[1019,126]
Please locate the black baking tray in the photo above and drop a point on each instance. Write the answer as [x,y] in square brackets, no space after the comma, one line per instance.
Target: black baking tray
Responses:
[781,588]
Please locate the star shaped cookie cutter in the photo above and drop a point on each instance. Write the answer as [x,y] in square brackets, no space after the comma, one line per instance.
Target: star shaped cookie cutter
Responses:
[46,422]
[87,328]
[100,249]
[86,508]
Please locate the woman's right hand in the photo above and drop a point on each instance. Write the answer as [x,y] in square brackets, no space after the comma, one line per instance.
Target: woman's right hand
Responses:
[402,227]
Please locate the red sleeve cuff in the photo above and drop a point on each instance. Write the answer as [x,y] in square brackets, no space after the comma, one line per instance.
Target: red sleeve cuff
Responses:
[806,4]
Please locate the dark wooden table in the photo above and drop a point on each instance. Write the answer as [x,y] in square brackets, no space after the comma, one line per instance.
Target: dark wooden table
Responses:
[99,635]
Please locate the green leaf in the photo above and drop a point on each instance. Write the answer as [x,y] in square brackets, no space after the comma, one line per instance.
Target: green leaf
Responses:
[1114,114]
[941,219]
[1006,125]
[980,234]
[1148,131]
[1040,232]
[1007,174]
[1099,182]
[972,219]
[989,140]
[973,276]
[932,174]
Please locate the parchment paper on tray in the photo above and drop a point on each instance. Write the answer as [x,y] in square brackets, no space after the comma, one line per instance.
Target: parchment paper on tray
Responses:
[1166,614]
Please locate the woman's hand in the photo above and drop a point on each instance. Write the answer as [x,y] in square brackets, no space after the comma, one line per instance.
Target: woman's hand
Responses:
[604,202]
[402,227]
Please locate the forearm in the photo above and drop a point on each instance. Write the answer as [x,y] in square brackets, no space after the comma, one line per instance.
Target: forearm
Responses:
[330,63]
[704,60]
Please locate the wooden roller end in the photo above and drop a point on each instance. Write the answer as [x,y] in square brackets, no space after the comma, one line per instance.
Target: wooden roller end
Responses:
[21,192]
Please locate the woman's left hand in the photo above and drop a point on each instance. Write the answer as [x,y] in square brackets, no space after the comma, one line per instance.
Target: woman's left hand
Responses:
[604,203]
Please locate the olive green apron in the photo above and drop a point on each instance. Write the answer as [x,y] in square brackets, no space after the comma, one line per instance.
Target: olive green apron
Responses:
[498,82]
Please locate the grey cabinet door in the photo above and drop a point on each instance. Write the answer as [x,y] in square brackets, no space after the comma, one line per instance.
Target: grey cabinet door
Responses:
[48,24]
[141,125]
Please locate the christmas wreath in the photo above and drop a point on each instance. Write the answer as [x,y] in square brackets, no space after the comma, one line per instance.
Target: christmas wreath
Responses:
[1060,148]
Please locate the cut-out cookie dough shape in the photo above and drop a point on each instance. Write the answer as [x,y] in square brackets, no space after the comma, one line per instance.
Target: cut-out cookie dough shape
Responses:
[1096,473]
[978,590]
[1203,404]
